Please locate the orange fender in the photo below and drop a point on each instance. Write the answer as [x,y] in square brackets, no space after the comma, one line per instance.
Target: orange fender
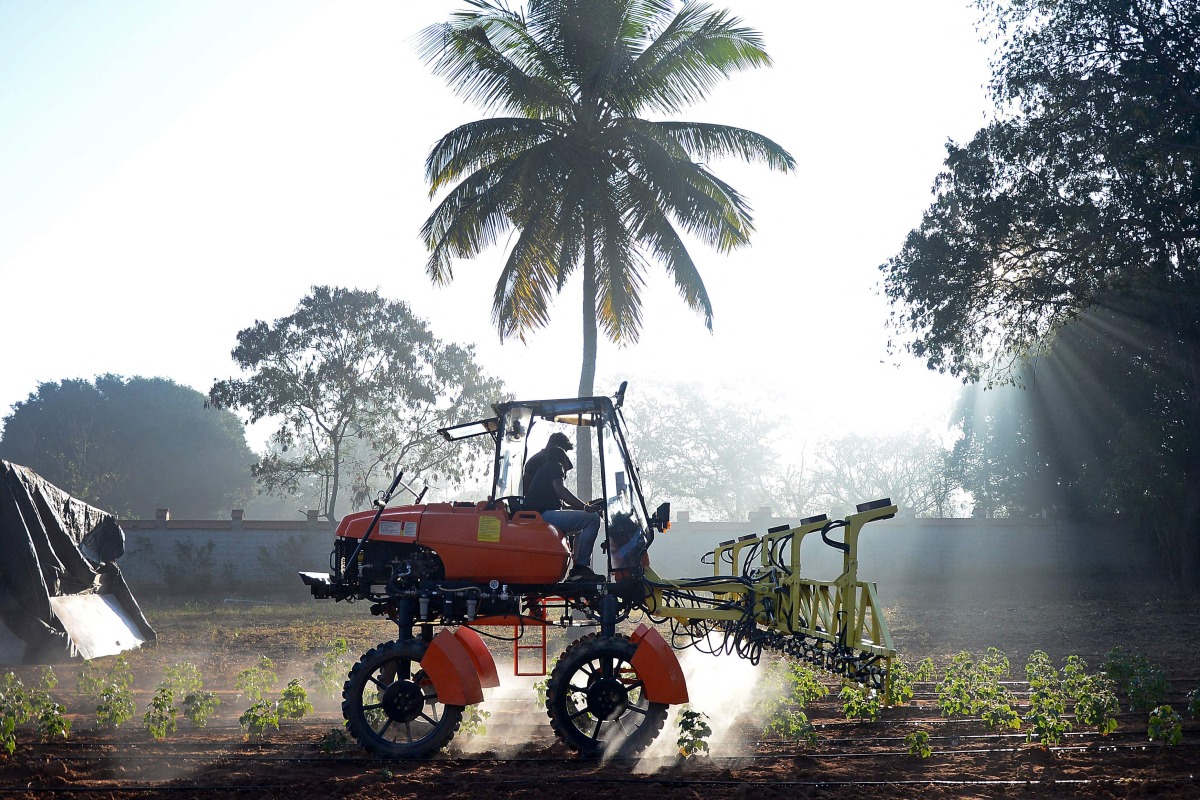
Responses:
[449,664]
[657,667]
[485,665]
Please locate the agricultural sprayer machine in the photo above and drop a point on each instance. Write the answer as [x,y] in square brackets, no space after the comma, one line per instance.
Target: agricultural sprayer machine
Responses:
[439,571]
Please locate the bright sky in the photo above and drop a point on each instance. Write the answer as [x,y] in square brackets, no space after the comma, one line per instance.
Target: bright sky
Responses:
[172,172]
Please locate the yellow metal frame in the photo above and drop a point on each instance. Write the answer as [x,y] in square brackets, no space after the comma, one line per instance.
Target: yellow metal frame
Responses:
[844,612]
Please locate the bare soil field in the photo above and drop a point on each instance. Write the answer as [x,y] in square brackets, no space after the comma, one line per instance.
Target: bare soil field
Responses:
[519,757]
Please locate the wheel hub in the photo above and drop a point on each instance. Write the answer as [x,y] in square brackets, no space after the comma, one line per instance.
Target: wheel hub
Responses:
[606,698]
[403,701]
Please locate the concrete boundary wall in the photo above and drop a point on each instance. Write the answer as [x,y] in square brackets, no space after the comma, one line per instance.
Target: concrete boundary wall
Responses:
[259,559]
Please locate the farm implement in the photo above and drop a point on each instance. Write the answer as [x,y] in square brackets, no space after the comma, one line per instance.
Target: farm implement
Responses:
[440,571]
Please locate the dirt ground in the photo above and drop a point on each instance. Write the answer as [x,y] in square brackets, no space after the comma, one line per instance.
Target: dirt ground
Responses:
[518,756]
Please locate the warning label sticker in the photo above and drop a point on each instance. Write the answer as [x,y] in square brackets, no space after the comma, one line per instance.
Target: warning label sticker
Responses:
[389,528]
[489,529]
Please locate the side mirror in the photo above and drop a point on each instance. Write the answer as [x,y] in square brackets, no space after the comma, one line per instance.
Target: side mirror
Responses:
[662,517]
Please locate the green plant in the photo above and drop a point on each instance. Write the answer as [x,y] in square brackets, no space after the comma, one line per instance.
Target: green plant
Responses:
[1145,684]
[1193,698]
[115,706]
[15,710]
[333,739]
[788,722]
[256,719]
[255,682]
[161,713]
[474,721]
[1095,696]
[926,672]
[860,703]
[994,663]
[1047,701]
[111,690]
[899,683]
[331,669]
[47,680]
[694,731]
[918,744]
[998,712]
[186,684]
[971,687]
[199,705]
[182,679]
[293,703]
[1165,726]
[802,684]
[52,721]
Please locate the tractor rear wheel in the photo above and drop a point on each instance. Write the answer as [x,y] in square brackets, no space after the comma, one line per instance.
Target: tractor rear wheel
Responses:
[597,702]
[391,707]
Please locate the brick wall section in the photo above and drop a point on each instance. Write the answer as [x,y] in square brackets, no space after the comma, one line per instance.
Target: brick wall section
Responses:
[236,557]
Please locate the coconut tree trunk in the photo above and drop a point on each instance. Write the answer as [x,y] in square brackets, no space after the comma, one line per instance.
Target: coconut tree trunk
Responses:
[587,373]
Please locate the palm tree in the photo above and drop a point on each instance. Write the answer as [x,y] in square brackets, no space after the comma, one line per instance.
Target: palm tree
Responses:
[575,168]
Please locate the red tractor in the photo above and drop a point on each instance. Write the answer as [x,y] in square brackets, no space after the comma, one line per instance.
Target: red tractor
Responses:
[462,565]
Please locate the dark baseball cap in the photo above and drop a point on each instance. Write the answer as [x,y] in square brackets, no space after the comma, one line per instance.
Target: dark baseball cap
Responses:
[559,439]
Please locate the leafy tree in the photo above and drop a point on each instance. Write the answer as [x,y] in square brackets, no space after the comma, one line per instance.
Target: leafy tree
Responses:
[1100,431]
[715,458]
[1083,194]
[359,385]
[576,168]
[131,445]
[910,468]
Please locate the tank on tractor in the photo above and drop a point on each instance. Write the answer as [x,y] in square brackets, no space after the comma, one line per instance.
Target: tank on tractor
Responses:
[440,570]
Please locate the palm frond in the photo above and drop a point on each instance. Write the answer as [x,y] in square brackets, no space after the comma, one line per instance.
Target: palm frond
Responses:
[522,298]
[662,240]
[705,206]
[491,59]
[694,53]
[481,143]
[620,270]
[706,141]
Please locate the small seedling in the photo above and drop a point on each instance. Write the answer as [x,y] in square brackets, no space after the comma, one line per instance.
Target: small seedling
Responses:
[182,679]
[784,721]
[1145,684]
[257,681]
[694,731]
[859,703]
[293,703]
[474,721]
[1165,726]
[110,689]
[52,722]
[925,671]
[334,739]
[331,669]
[115,706]
[161,713]
[899,683]
[256,719]
[199,705]
[918,744]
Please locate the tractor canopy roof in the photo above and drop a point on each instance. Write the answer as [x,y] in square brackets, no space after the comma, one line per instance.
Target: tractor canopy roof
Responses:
[586,411]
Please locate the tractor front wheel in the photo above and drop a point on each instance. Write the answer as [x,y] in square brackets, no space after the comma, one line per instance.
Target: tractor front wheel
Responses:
[597,702]
[390,704]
